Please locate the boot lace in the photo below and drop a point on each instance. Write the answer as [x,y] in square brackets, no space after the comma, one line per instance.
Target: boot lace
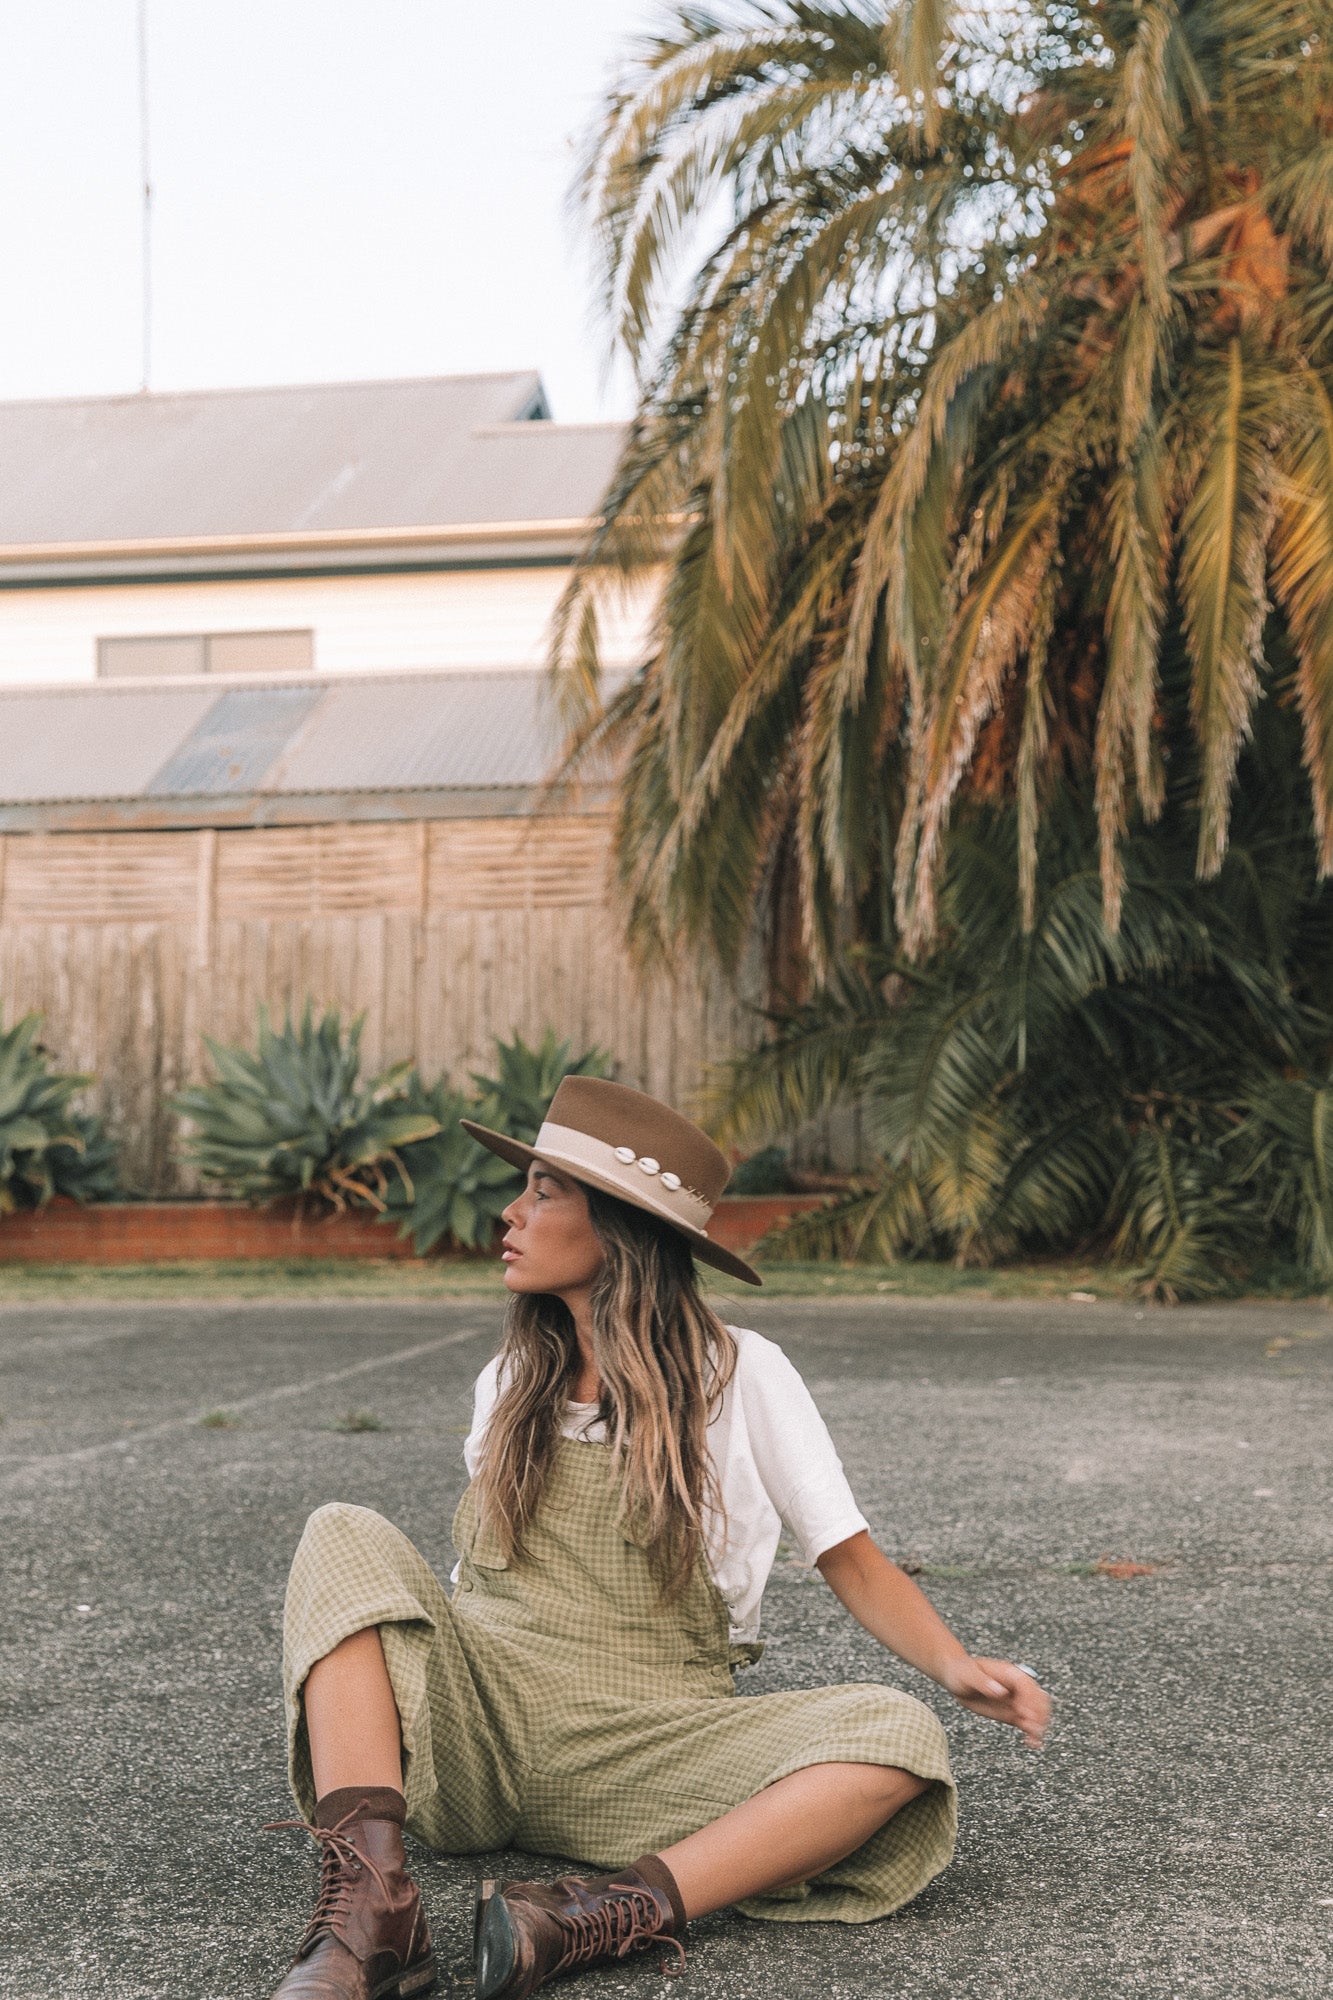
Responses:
[340,1863]
[627,1919]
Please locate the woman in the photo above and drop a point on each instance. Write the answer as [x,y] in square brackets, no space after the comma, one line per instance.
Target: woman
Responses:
[632,1461]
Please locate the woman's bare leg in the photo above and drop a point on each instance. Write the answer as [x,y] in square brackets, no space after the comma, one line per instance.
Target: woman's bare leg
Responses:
[351,1717]
[788,1832]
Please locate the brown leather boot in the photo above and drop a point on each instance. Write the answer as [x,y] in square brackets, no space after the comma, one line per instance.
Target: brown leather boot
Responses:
[367,1937]
[529,1932]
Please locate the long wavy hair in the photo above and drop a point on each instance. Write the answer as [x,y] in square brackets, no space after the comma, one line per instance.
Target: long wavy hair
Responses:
[664,1358]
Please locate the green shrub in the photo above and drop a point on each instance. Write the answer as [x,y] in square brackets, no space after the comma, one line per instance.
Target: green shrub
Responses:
[453,1189]
[515,1101]
[1162,1096]
[46,1146]
[294,1118]
[765,1172]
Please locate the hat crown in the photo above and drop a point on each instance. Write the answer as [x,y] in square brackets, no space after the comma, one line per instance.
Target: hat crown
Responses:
[621,1117]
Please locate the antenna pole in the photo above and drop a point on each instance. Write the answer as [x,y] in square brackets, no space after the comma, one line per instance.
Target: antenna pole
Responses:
[145,175]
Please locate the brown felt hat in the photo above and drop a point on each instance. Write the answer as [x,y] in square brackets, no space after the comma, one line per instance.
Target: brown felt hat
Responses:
[631,1146]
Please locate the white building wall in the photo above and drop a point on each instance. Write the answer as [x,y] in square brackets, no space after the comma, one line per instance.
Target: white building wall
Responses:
[458,618]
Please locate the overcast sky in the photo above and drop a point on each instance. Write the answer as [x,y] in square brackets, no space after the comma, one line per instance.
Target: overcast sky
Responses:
[341,188]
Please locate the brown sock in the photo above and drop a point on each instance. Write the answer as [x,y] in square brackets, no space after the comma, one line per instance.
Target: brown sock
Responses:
[658,1876]
[365,1801]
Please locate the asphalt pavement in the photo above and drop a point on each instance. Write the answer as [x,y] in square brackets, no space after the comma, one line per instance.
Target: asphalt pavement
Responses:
[1173,1839]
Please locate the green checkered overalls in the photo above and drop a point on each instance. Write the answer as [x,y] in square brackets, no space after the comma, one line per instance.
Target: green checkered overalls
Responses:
[557,1705]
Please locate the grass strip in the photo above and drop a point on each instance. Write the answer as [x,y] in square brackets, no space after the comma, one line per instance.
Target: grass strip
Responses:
[354,1279]
[1080,1282]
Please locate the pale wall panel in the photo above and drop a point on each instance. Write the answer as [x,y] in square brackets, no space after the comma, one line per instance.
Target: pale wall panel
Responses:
[456,618]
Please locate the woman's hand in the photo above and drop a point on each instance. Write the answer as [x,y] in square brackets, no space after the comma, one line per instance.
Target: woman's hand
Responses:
[893,1610]
[1002,1693]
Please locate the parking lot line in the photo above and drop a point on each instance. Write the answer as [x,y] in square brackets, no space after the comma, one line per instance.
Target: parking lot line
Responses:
[28,1466]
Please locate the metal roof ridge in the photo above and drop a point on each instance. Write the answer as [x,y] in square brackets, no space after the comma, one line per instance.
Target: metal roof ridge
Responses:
[549,426]
[146,396]
[224,683]
[299,538]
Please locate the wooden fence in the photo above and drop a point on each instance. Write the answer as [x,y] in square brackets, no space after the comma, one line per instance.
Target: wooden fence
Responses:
[443,933]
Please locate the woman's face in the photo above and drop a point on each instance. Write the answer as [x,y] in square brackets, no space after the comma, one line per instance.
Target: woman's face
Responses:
[550,1244]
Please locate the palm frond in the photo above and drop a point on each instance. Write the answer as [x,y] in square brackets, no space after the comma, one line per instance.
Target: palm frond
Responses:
[1139,552]
[1224,536]
[1303,581]
[1033,744]
[1152,124]
[967,362]
[994,625]
[914,39]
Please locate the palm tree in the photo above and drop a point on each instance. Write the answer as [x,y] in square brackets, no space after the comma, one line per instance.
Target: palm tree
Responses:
[983,353]
[1162,1096]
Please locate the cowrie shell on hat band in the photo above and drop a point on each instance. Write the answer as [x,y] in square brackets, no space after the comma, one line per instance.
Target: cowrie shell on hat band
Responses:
[641,1177]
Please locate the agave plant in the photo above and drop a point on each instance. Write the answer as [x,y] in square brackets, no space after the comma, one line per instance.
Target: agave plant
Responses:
[47,1147]
[978,348]
[457,1190]
[1160,1094]
[294,1118]
[515,1100]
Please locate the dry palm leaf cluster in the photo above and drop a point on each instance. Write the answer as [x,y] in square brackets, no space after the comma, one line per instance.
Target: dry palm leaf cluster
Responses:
[983,356]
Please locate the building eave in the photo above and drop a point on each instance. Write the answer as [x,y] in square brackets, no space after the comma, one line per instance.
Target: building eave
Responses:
[345,551]
[260,809]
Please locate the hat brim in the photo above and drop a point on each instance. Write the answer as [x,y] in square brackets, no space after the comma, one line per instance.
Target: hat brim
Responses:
[521,1156]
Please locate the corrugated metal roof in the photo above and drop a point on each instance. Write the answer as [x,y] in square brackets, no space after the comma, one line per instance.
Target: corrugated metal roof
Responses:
[66,743]
[230,749]
[433,730]
[183,754]
[441,451]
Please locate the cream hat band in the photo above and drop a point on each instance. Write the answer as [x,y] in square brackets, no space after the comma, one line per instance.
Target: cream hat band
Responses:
[662,1191]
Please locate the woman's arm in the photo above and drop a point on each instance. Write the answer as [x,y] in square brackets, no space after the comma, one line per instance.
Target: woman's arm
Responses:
[885,1600]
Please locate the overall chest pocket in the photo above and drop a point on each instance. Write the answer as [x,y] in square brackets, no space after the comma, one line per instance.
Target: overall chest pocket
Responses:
[474,1540]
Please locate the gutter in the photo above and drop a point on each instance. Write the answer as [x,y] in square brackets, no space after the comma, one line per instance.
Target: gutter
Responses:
[260,809]
[470,545]
[331,551]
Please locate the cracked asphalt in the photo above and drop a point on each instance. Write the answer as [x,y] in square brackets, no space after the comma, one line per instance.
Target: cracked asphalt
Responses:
[1172,1840]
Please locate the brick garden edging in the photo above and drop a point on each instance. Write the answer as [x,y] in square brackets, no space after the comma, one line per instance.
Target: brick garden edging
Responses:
[171,1232]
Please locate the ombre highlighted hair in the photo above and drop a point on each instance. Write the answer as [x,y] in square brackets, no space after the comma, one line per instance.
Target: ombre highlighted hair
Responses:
[663,1357]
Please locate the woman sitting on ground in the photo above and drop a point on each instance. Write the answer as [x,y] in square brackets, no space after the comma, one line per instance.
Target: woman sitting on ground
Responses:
[632,1461]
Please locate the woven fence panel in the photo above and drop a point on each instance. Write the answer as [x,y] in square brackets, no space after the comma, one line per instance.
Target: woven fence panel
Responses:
[99,878]
[544,863]
[316,871]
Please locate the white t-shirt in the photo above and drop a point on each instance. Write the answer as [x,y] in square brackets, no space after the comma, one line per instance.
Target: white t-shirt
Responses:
[775,1465]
